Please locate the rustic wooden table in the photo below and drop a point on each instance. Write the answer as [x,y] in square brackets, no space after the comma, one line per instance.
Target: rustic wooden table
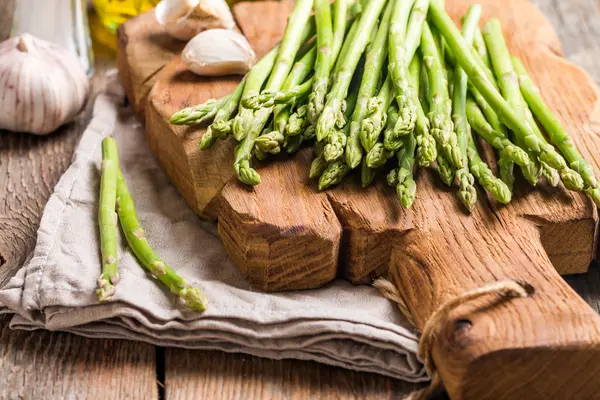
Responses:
[58,365]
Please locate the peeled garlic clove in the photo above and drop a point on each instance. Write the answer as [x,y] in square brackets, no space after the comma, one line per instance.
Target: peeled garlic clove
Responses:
[218,52]
[44,85]
[170,11]
[184,19]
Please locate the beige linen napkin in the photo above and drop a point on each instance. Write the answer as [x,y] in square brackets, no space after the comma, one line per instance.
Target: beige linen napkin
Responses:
[341,324]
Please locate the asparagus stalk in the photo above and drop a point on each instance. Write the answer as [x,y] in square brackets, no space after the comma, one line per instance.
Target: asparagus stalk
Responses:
[522,130]
[367,174]
[298,121]
[192,297]
[341,12]
[222,124]
[439,101]
[319,164]
[445,170]
[406,189]
[481,49]
[336,143]
[299,72]
[398,68]
[324,63]
[198,114]
[374,63]
[466,192]
[333,174]
[556,132]
[426,152]
[298,30]
[509,84]
[268,99]
[107,220]
[296,33]
[498,189]
[375,121]
[500,58]
[414,31]
[255,80]
[354,50]
[496,139]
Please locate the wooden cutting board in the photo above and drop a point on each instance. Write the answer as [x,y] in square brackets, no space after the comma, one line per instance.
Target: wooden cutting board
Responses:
[285,235]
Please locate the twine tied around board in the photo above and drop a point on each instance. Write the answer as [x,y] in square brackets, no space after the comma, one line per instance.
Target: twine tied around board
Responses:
[505,289]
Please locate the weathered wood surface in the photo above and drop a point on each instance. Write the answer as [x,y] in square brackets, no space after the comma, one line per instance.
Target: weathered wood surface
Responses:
[578,25]
[213,375]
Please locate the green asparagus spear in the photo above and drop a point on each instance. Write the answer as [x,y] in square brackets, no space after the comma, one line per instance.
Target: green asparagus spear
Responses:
[426,152]
[374,123]
[269,99]
[341,17]
[499,190]
[208,140]
[496,139]
[367,174]
[198,114]
[466,192]
[439,101]
[255,79]
[522,130]
[299,29]
[319,164]
[333,174]
[298,121]
[374,64]
[300,71]
[355,49]
[557,134]
[510,86]
[481,49]
[336,142]
[398,68]
[107,219]
[192,297]
[415,27]
[324,63]
[406,189]
[445,170]
[222,125]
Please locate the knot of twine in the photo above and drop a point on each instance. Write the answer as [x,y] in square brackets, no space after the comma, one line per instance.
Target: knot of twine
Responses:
[505,289]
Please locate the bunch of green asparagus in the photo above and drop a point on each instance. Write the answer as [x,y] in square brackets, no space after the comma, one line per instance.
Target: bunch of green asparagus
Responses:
[395,82]
[116,204]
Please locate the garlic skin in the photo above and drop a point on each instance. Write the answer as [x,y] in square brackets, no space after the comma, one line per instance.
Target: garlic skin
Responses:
[184,19]
[219,52]
[44,85]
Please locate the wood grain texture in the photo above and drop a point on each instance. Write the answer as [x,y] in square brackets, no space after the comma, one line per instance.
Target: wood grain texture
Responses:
[215,376]
[45,365]
[140,66]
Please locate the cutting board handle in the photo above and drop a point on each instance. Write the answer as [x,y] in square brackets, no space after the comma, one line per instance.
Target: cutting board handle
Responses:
[546,345]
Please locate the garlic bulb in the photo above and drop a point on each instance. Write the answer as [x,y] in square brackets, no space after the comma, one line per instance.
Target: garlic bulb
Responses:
[218,52]
[43,85]
[184,19]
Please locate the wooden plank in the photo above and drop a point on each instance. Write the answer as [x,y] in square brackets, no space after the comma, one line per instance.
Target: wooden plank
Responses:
[46,365]
[215,375]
